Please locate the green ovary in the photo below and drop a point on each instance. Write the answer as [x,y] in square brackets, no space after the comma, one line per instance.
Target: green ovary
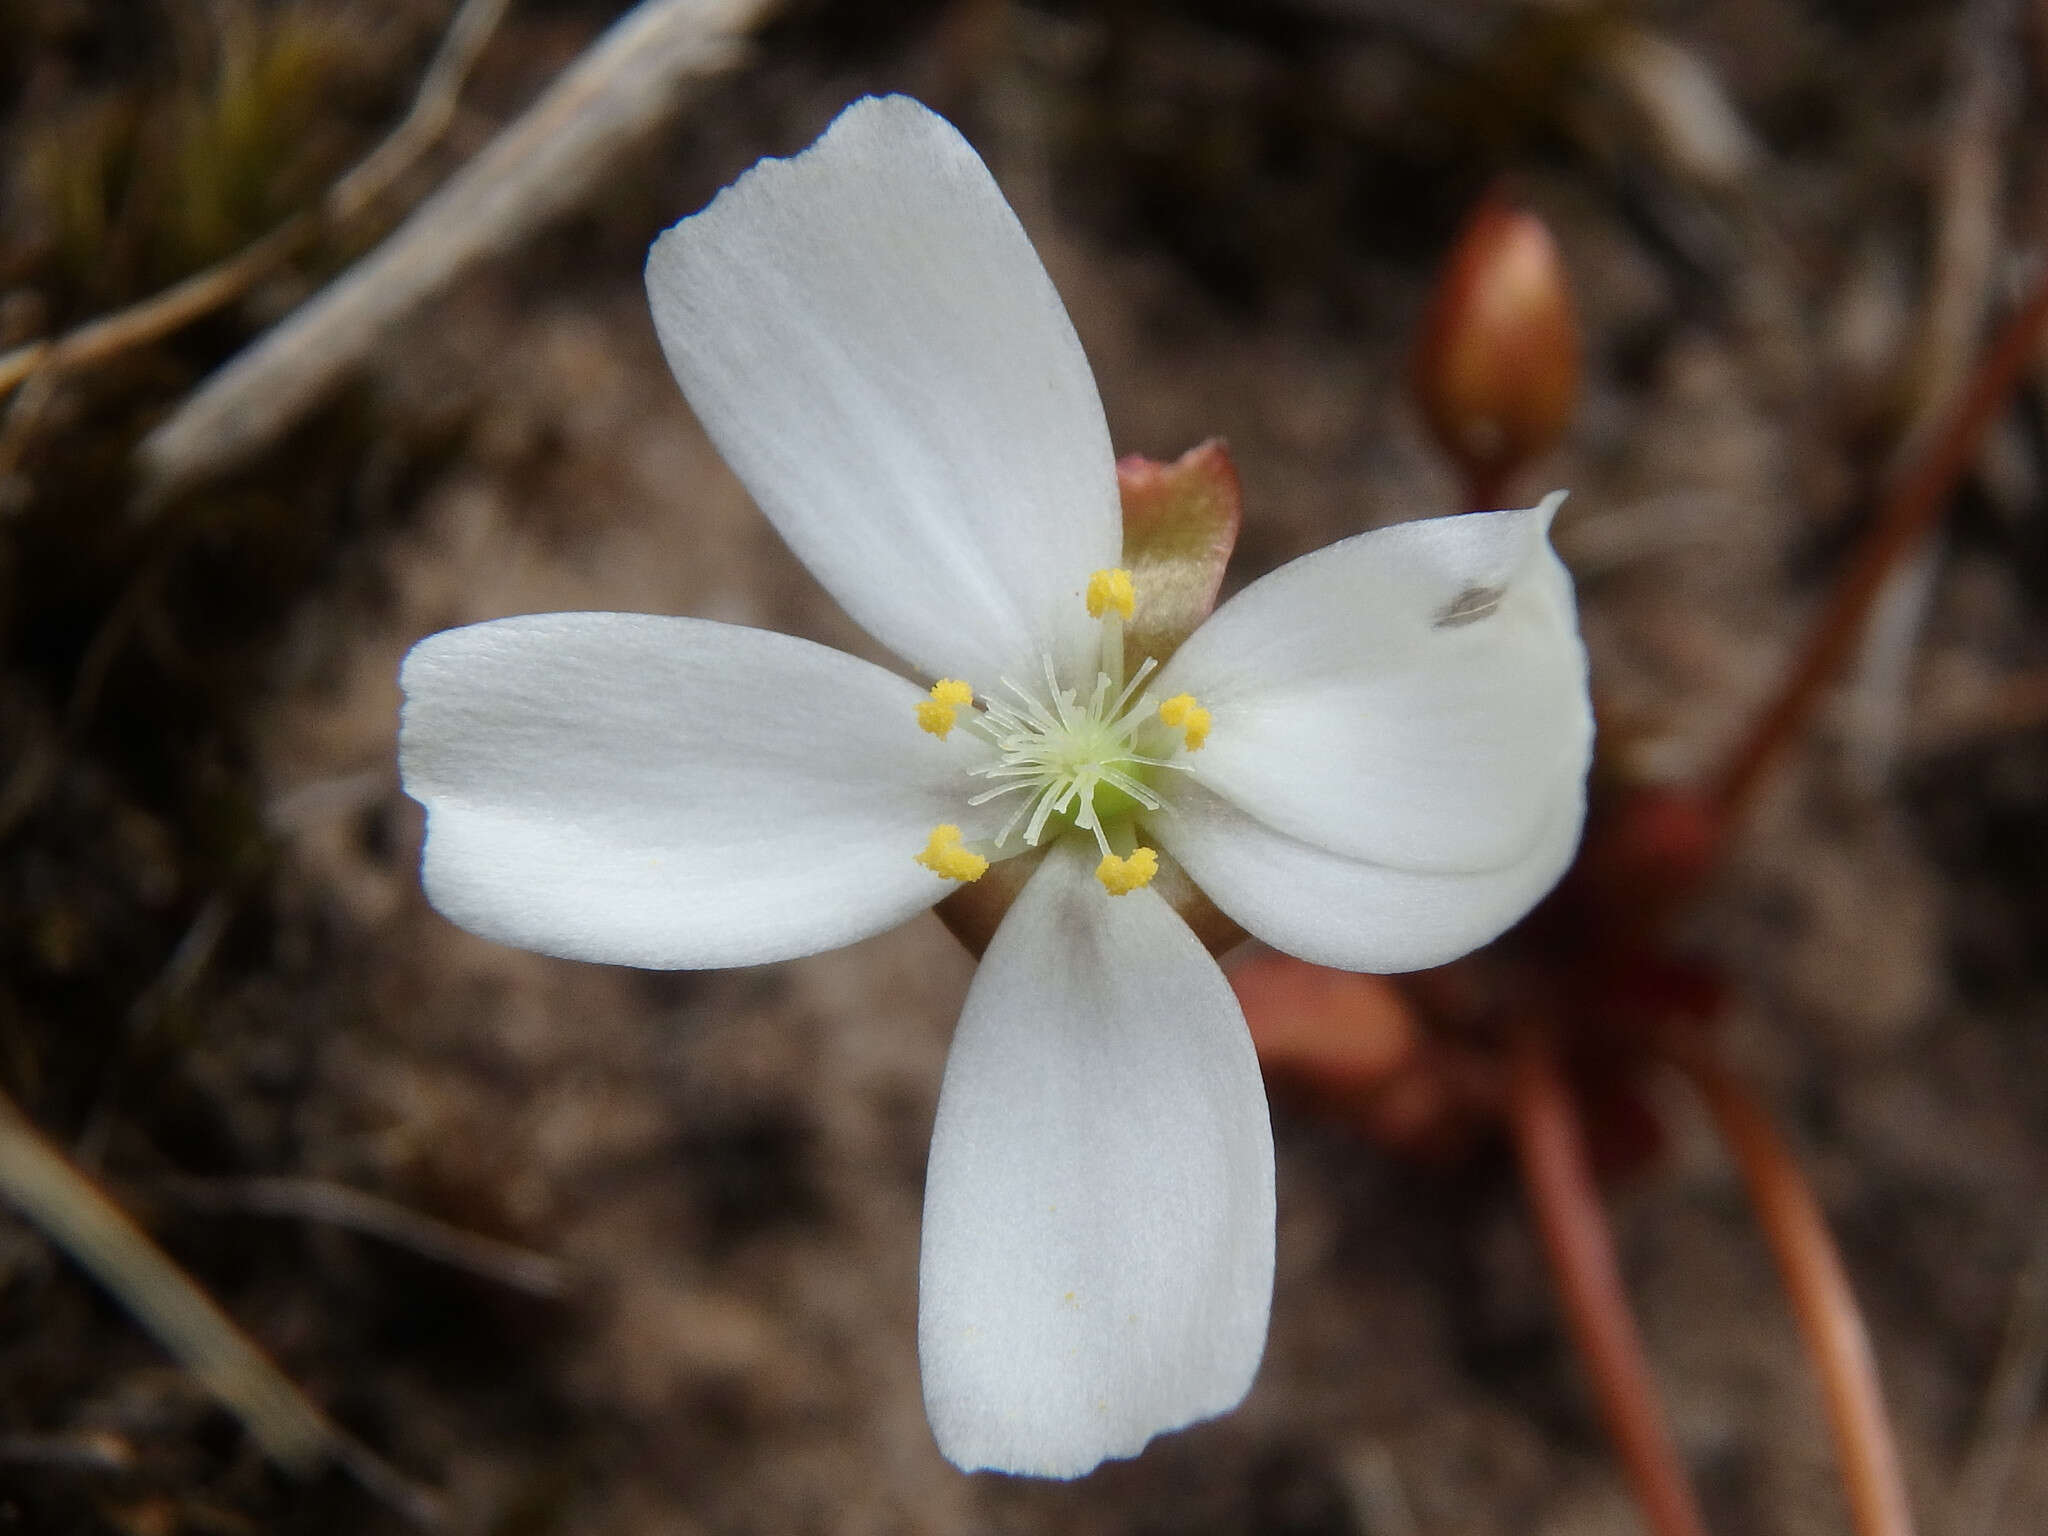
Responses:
[1112,806]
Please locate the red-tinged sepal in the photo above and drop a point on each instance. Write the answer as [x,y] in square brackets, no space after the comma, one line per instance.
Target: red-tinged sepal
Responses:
[1180,524]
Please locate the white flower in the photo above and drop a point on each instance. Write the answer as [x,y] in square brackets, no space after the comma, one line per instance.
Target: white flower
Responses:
[1373,758]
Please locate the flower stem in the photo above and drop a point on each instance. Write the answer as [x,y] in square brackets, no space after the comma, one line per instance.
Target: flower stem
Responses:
[1915,501]
[1558,1178]
[1485,487]
[1825,1307]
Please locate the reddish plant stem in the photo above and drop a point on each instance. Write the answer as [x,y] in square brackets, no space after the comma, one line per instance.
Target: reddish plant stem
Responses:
[1822,1301]
[1915,502]
[1484,488]
[1558,1177]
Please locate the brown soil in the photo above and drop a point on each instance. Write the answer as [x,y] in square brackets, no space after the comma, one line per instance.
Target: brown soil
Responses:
[1242,218]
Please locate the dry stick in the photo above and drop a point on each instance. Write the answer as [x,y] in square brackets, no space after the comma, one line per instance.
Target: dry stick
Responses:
[338,1205]
[1824,1305]
[87,1225]
[188,961]
[72,1212]
[433,108]
[1558,1177]
[1962,717]
[19,421]
[226,281]
[1915,502]
[1965,218]
[2010,1399]
[629,81]
[37,768]
[157,316]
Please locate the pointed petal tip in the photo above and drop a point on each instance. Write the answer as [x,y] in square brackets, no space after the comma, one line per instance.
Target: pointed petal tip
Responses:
[1414,696]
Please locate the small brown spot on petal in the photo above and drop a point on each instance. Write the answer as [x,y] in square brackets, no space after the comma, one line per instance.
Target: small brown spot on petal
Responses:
[1469,606]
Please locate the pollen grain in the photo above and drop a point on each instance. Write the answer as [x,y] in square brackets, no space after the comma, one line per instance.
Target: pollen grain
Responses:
[1183,714]
[1120,877]
[944,856]
[1111,589]
[938,714]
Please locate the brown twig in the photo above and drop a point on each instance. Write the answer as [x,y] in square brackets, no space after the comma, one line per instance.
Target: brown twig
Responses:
[433,107]
[1916,500]
[160,314]
[1965,211]
[226,281]
[1965,216]
[1822,1301]
[2010,1399]
[69,1209]
[1967,713]
[337,1205]
[87,1450]
[38,767]
[1558,1177]
[540,164]
[72,1211]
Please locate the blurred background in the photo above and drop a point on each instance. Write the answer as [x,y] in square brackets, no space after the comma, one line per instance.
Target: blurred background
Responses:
[582,1249]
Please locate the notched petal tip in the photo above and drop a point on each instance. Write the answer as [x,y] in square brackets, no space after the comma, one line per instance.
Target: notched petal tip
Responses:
[865,130]
[606,787]
[867,336]
[1098,1244]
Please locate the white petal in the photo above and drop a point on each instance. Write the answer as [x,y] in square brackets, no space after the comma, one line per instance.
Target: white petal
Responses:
[1413,696]
[1098,1219]
[1350,913]
[671,793]
[867,335]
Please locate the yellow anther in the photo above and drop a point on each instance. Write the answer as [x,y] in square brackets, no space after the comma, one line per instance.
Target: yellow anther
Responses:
[1120,877]
[1189,718]
[944,856]
[938,713]
[1111,589]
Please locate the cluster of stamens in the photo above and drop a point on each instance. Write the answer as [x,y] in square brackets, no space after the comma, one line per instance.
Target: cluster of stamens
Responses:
[1063,756]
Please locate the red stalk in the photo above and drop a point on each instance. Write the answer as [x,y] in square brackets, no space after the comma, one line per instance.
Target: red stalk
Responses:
[1550,1146]
[1824,1305]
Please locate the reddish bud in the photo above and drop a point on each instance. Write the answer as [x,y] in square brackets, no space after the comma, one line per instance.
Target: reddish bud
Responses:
[1497,371]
